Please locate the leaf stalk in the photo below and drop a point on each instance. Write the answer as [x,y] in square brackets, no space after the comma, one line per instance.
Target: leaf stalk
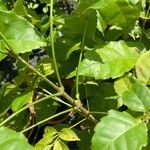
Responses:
[52,44]
[47,119]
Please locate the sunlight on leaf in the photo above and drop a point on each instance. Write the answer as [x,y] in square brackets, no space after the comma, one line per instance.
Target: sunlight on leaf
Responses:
[68,135]
[119,130]
[11,140]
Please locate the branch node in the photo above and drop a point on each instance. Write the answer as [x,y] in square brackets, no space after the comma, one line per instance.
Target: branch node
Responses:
[61,90]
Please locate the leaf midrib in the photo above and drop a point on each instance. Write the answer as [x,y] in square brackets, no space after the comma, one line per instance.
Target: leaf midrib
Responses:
[105,148]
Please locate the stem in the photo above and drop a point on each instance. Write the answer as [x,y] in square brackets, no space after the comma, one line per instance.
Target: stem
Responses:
[47,119]
[61,91]
[52,43]
[97,112]
[57,99]
[25,107]
[27,64]
[77,123]
[87,99]
[80,58]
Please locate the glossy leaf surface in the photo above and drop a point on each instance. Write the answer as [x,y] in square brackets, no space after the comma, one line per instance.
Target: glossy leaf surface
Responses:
[68,135]
[11,140]
[134,94]
[119,127]
[110,61]
[49,132]
[19,32]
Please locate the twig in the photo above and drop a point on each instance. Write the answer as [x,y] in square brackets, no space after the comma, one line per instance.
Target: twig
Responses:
[47,119]
[60,90]
[26,107]
[78,123]
[80,58]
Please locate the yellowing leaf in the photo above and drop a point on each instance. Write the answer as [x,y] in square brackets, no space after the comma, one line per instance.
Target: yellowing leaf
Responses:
[68,135]
[59,145]
[49,132]
[121,85]
[143,68]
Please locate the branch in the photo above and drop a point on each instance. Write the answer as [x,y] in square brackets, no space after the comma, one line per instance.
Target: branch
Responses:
[60,90]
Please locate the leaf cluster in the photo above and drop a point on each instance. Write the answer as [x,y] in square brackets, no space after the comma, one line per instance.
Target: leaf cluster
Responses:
[74,74]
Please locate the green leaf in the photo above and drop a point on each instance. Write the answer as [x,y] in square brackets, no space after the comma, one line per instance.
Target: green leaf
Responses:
[68,135]
[134,1]
[19,32]
[137,98]
[113,33]
[59,145]
[116,12]
[122,84]
[2,5]
[119,130]
[134,94]
[143,68]
[98,97]
[101,25]
[75,25]
[147,33]
[72,49]
[11,140]
[20,9]
[22,46]
[44,109]
[7,94]
[110,61]
[48,147]
[2,55]
[119,57]
[21,121]
[49,132]
[44,66]
[21,100]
